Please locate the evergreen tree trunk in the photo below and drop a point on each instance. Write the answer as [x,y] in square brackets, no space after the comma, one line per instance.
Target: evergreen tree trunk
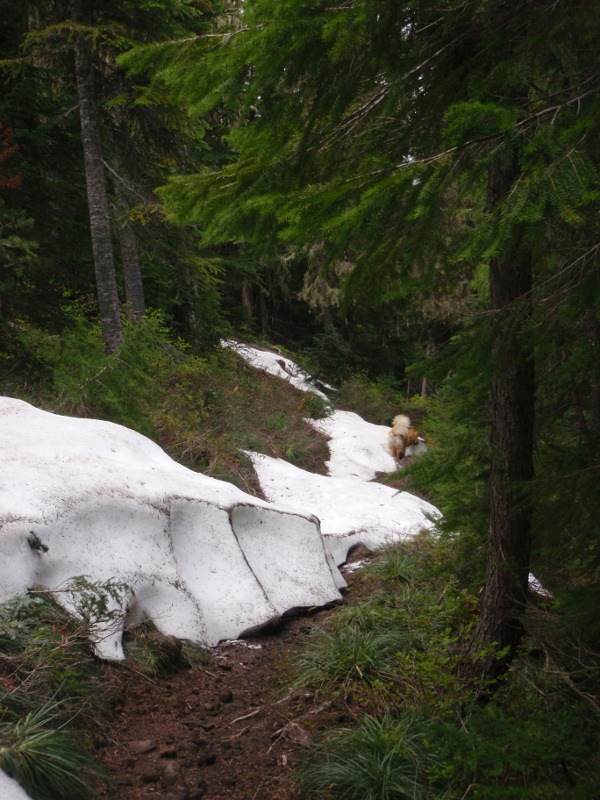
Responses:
[264,314]
[513,385]
[130,257]
[247,302]
[132,273]
[106,284]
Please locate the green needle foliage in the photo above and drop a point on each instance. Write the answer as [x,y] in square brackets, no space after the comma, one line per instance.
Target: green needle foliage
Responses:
[45,758]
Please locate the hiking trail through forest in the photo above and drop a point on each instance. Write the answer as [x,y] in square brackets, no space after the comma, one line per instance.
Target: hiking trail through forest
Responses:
[227,730]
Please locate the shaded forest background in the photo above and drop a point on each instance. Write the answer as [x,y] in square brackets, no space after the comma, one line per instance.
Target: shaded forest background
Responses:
[403,195]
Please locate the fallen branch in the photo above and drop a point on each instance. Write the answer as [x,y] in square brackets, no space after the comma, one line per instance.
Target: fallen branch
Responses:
[246,716]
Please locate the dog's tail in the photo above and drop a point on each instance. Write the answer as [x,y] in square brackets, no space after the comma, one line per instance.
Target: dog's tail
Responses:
[401,424]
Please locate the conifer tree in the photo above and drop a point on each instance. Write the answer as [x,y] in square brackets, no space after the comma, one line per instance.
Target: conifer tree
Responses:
[429,144]
[76,43]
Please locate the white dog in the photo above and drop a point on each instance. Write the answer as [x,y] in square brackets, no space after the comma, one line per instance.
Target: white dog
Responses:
[401,436]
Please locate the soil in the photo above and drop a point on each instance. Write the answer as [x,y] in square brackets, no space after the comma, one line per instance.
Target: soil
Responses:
[228,730]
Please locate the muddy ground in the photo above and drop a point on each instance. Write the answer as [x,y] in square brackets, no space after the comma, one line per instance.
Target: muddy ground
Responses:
[225,730]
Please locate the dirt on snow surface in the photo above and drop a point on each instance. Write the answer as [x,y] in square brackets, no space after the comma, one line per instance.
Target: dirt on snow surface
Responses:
[228,730]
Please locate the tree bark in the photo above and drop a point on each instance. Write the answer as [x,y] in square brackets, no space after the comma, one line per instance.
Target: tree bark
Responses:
[247,302]
[106,284]
[592,334]
[132,273]
[500,622]
[135,304]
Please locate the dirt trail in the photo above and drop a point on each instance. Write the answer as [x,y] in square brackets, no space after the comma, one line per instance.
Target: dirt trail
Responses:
[220,732]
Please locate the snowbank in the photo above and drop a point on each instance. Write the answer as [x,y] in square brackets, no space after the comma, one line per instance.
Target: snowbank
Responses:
[275,364]
[200,557]
[358,449]
[350,510]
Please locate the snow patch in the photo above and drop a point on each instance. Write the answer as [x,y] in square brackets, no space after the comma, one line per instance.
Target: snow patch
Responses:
[10,789]
[276,364]
[202,559]
[358,449]
[350,511]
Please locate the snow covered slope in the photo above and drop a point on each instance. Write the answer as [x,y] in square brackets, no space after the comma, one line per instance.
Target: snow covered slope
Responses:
[200,557]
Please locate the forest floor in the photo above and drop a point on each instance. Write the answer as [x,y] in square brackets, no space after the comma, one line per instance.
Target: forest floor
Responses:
[228,730]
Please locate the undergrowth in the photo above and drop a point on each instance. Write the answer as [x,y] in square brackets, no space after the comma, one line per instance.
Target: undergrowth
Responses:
[377,401]
[51,698]
[56,698]
[420,730]
[204,411]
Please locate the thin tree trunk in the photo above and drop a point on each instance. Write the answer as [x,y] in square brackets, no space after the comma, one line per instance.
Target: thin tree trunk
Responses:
[429,353]
[132,273]
[135,305]
[106,284]
[264,313]
[247,302]
[513,384]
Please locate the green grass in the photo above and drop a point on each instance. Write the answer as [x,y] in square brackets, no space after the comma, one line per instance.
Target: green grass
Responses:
[349,654]
[46,757]
[51,696]
[380,759]
[399,657]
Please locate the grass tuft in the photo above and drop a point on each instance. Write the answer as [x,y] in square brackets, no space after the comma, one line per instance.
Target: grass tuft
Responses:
[44,757]
[382,759]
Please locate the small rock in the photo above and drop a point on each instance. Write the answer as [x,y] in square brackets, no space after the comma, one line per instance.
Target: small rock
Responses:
[178,794]
[206,757]
[207,726]
[200,741]
[212,708]
[149,777]
[168,752]
[226,697]
[168,649]
[170,774]
[188,748]
[142,746]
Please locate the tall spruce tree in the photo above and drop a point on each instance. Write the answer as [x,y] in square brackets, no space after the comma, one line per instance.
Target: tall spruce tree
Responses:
[429,143]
